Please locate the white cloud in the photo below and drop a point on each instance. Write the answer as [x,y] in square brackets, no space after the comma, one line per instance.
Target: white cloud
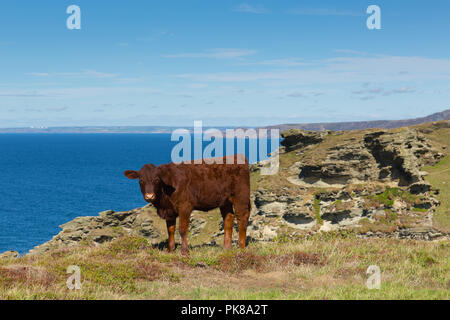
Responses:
[197,85]
[83,74]
[155,35]
[349,51]
[296,95]
[403,90]
[245,7]
[89,74]
[301,94]
[322,12]
[57,109]
[22,94]
[127,80]
[371,93]
[81,92]
[343,70]
[288,62]
[215,54]
[38,74]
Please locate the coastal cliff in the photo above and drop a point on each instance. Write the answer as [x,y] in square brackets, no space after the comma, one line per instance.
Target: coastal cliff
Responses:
[341,202]
[369,182]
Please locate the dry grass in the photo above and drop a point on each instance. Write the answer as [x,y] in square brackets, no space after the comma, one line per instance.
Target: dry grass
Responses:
[317,267]
[319,152]
[324,266]
[439,175]
[278,182]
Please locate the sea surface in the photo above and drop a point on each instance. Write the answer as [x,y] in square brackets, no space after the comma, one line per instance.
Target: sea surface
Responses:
[49,179]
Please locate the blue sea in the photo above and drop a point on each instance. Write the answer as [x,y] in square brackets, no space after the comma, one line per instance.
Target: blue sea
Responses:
[49,179]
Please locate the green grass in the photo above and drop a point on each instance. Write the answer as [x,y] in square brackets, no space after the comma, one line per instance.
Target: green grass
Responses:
[325,266]
[439,178]
[387,197]
[439,175]
[316,206]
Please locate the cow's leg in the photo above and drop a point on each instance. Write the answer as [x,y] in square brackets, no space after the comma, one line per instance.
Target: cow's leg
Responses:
[171,225]
[228,222]
[242,214]
[184,215]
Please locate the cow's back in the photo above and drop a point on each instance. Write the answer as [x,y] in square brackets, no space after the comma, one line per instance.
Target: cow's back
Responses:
[212,185]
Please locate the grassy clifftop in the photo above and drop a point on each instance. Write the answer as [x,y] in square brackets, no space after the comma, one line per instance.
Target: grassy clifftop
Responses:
[375,194]
[439,174]
[375,182]
[319,267]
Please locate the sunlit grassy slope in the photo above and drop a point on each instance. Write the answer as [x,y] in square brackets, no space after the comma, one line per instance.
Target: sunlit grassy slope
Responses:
[439,175]
[320,267]
[323,266]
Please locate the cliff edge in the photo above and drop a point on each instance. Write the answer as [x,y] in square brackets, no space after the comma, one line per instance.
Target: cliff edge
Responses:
[375,183]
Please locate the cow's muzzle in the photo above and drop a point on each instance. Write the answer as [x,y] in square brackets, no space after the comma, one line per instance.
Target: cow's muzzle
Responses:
[149,196]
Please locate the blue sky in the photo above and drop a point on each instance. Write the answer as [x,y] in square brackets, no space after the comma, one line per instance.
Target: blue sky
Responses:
[224,62]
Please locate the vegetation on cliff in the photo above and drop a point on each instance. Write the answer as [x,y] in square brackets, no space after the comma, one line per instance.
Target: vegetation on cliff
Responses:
[324,266]
[333,189]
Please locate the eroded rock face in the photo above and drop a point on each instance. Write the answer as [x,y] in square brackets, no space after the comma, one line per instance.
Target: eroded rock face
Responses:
[108,225]
[303,220]
[196,226]
[296,139]
[401,155]
[339,210]
[420,187]
[361,179]
[345,188]
[378,156]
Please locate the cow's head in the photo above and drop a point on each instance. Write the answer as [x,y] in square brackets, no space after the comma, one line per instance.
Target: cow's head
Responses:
[148,180]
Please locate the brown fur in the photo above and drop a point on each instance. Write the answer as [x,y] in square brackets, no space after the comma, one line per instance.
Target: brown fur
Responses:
[178,189]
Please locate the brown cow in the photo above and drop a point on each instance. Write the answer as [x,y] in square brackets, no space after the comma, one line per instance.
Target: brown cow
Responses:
[178,189]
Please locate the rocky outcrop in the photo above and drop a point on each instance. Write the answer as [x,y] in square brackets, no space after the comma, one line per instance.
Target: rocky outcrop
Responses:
[377,156]
[400,156]
[421,233]
[109,225]
[9,255]
[105,227]
[296,139]
[365,181]
[372,208]
[369,182]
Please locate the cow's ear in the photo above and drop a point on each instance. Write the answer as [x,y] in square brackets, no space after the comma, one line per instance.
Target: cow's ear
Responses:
[130,174]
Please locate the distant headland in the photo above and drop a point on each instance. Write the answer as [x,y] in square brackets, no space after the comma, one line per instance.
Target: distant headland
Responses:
[333,126]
